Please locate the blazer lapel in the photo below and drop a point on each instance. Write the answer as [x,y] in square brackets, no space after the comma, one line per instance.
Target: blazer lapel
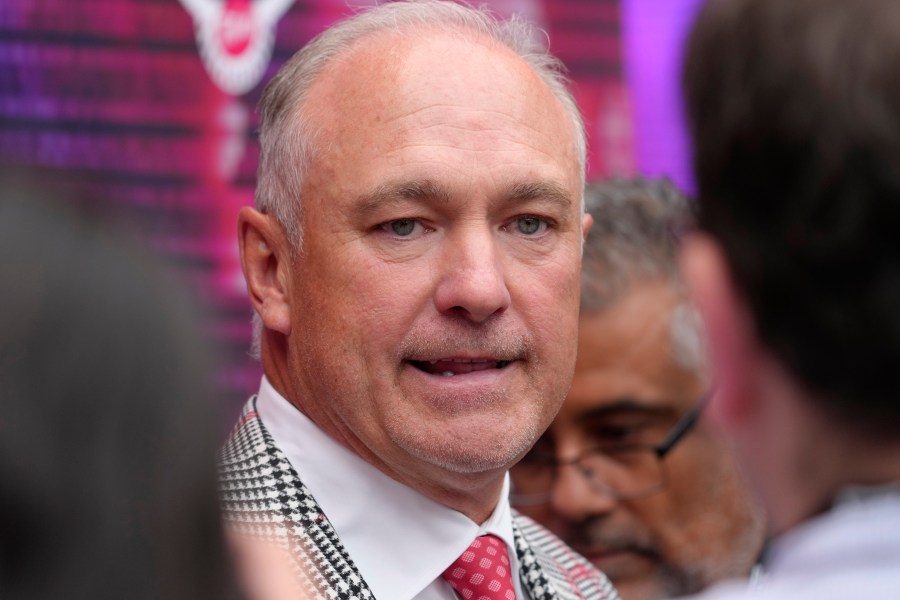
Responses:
[531,573]
[550,570]
[264,496]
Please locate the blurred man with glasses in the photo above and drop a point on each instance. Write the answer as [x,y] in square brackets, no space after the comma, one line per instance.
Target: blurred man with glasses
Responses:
[626,474]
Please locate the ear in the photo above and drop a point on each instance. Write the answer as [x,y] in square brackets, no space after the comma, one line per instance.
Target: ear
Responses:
[730,333]
[586,221]
[265,259]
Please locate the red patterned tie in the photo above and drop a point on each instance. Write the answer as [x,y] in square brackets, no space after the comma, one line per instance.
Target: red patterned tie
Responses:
[482,572]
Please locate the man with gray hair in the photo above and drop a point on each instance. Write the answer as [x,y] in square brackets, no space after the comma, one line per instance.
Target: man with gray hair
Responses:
[626,474]
[413,259]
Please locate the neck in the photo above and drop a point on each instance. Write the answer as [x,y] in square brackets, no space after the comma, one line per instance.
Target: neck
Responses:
[475,496]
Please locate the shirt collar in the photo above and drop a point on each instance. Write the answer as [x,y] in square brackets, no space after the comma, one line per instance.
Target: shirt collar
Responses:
[400,540]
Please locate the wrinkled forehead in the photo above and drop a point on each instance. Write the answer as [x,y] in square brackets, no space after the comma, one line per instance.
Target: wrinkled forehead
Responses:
[396,74]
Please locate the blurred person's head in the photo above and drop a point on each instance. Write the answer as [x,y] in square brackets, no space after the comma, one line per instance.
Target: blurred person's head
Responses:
[794,108]
[108,430]
[414,254]
[656,525]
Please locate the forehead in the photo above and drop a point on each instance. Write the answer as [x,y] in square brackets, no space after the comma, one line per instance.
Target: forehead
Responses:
[396,100]
[626,353]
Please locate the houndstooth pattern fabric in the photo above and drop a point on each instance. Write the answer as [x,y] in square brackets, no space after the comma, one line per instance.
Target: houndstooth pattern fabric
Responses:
[551,570]
[263,496]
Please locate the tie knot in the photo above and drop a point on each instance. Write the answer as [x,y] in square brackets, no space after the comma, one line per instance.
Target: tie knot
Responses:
[482,572]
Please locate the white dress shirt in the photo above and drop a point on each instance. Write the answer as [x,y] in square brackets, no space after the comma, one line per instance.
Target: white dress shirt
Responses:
[400,540]
[852,551]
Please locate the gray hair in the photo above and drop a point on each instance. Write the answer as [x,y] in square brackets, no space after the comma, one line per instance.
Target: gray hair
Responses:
[636,235]
[288,136]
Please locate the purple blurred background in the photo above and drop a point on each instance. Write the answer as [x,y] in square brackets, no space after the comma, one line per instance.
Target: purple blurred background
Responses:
[144,110]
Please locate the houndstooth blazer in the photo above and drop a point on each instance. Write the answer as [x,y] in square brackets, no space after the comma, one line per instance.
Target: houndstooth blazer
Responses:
[263,496]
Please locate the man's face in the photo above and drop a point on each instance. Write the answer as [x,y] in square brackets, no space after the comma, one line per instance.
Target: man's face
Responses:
[434,303]
[628,389]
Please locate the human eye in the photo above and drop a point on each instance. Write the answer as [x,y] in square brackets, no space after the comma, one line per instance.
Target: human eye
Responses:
[530,225]
[620,432]
[612,436]
[404,228]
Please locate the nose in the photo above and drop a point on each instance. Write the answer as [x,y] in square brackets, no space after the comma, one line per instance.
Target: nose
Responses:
[473,282]
[574,499]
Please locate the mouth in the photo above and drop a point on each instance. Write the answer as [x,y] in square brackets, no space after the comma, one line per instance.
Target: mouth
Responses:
[450,367]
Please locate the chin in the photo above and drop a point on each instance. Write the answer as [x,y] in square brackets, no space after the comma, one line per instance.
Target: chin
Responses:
[469,453]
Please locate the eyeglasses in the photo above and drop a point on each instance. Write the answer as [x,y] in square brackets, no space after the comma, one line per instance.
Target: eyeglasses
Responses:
[622,471]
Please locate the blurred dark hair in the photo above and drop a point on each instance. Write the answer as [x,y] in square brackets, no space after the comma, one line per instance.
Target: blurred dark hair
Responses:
[794,108]
[107,422]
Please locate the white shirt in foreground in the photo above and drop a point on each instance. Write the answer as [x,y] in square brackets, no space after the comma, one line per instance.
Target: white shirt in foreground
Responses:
[399,540]
[852,551]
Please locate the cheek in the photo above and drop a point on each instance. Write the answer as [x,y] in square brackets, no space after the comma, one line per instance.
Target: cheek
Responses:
[330,305]
[690,481]
[694,510]
[669,521]
[377,303]
[549,299]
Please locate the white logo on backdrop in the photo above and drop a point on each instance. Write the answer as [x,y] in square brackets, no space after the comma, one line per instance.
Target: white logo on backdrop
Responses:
[236,38]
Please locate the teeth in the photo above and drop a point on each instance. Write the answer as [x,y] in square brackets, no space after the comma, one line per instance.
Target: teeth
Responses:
[448,373]
[462,360]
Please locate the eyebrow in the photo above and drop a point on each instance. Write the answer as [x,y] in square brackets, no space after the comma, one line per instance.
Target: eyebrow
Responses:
[430,191]
[541,190]
[424,190]
[626,406]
